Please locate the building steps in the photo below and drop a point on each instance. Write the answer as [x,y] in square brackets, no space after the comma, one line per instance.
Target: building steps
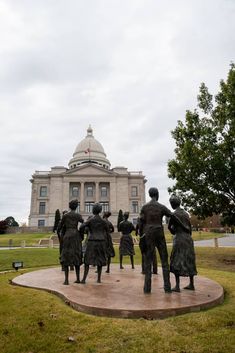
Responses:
[50,242]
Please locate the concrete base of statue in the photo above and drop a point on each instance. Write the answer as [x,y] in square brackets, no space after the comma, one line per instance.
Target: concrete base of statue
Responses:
[121,293]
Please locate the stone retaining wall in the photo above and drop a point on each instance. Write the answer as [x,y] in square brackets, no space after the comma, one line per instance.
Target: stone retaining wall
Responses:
[14,230]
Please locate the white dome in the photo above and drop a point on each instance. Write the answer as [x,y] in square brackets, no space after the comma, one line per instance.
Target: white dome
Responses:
[89,150]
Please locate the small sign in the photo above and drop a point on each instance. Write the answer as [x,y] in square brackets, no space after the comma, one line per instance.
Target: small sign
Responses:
[17,264]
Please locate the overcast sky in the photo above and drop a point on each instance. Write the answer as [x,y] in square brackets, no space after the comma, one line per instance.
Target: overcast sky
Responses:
[129,68]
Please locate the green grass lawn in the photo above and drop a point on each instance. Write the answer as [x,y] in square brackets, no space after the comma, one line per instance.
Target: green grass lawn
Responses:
[198,235]
[31,257]
[38,322]
[31,239]
[216,258]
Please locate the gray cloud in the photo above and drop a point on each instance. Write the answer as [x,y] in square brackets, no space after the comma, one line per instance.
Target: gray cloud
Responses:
[131,69]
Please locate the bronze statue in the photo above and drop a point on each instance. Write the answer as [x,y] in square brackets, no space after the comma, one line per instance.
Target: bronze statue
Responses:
[126,246]
[139,231]
[109,243]
[182,260]
[71,253]
[151,216]
[96,252]
[60,232]
[85,237]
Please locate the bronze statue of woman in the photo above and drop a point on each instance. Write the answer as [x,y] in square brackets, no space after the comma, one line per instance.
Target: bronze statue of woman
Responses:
[126,247]
[109,243]
[96,251]
[182,260]
[71,253]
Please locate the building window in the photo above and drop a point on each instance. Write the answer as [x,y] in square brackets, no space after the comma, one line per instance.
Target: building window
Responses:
[135,221]
[134,191]
[104,191]
[41,223]
[89,207]
[105,206]
[78,208]
[42,207]
[43,191]
[74,191]
[135,208]
[89,191]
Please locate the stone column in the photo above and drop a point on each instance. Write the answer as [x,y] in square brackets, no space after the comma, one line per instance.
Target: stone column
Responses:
[65,196]
[34,197]
[96,192]
[82,205]
[112,196]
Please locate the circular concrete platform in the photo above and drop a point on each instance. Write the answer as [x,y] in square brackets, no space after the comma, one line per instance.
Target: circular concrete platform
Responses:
[121,293]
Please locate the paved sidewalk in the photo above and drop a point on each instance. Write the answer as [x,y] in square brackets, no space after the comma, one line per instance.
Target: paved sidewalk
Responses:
[222,242]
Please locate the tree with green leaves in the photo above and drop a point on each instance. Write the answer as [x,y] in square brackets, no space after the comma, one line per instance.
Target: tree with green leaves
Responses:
[120,218]
[11,222]
[3,226]
[204,164]
[57,220]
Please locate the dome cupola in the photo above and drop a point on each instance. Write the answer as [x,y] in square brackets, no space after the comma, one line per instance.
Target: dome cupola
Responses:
[89,150]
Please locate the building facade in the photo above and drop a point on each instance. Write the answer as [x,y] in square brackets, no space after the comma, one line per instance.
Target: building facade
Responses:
[88,179]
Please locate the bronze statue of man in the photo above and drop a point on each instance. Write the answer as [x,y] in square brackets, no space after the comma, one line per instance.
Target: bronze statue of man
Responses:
[139,231]
[151,216]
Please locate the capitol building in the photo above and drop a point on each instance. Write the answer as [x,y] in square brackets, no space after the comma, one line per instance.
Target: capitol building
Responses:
[88,178]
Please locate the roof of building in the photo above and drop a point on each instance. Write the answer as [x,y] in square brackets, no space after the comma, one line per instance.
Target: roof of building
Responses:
[89,150]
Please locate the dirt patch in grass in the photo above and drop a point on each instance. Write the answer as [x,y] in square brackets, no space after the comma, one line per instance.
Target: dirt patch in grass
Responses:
[228,261]
[217,258]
